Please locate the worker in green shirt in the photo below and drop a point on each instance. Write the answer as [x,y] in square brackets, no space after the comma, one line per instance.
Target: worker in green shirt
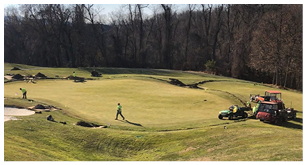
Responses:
[119,111]
[24,93]
[255,109]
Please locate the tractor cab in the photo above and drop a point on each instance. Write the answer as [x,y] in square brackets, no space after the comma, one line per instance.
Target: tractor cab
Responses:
[269,111]
[271,96]
[274,96]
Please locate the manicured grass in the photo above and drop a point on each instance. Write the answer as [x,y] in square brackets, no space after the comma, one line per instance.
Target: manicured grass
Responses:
[145,102]
[164,122]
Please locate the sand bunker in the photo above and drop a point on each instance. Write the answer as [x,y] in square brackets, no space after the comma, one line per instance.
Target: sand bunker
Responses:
[10,112]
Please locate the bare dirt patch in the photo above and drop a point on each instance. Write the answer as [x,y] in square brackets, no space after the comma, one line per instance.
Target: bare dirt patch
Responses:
[89,125]
[45,108]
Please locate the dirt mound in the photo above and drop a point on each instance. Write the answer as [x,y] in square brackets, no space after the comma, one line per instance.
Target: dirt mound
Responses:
[76,79]
[40,75]
[95,74]
[176,82]
[179,83]
[17,77]
[15,68]
[85,124]
[45,108]
[194,86]
[39,106]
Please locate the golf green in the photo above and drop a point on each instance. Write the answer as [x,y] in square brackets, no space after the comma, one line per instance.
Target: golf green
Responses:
[145,102]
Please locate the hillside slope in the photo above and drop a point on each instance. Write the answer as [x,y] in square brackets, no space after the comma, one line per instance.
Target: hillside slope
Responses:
[163,121]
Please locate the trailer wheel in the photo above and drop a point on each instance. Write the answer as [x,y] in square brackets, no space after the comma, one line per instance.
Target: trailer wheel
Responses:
[276,121]
[220,116]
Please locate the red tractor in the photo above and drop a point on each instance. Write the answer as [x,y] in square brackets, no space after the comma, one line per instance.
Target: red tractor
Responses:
[274,96]
[270,112]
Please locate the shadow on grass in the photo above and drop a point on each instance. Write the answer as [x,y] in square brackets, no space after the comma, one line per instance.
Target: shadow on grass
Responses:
[129,122]
[290,125]
[79,81]
[286,124]
[300,120]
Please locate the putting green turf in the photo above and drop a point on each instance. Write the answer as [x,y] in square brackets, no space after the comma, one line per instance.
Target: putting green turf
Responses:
[146,102]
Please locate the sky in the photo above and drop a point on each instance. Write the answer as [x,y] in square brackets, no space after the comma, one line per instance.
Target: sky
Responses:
[114,5]
[106,9]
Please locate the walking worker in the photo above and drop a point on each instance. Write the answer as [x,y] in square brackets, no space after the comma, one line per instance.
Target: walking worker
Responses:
[119,111]
[255,109]
[24,93]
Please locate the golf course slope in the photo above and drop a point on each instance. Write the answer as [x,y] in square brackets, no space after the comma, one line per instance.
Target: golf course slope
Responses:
[163,121]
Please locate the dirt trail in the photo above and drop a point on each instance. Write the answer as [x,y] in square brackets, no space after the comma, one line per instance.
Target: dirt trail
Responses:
[10,112]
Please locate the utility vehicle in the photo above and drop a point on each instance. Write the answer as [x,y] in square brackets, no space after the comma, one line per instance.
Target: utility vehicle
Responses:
[231,114]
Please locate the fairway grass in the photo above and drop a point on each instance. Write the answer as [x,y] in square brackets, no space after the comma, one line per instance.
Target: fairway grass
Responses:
[163,121]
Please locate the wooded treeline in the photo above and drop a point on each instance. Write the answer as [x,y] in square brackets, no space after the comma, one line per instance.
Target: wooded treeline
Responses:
[261,43]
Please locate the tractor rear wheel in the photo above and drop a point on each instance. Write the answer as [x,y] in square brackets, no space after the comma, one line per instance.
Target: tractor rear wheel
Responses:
[220,116]
[230,117]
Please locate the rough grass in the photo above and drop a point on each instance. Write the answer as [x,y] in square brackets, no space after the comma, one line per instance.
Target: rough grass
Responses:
[33,138]
[165,122]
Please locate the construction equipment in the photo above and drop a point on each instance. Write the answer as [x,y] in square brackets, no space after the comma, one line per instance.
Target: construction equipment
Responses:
[274,96]
[270,112]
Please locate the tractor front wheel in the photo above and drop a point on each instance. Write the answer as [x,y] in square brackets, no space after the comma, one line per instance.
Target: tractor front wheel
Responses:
[220,116]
